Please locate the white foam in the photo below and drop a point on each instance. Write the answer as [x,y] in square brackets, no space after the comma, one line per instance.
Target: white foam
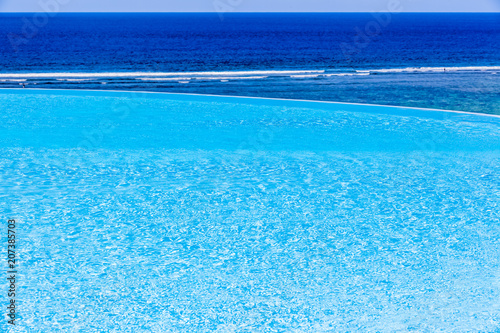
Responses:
[329,75]
[228,75]
[347,74]
[201,78]
[153,74]
[163,78]
[431,69]
[232,78]
[305,76]
[74,80]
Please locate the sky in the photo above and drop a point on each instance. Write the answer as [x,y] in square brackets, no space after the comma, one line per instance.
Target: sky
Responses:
[249,5]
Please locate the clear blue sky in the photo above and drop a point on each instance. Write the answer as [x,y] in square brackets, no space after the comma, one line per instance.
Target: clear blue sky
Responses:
[252,5]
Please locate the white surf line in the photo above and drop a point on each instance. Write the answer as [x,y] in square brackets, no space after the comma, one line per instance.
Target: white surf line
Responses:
[230,77]
[430,69]
[200,78]
[162,78]
[347,74]
[305,76]
[74,80]
[154,74]
[231,74]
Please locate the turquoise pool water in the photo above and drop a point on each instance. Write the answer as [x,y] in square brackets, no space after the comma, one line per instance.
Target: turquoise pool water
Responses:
[142,212]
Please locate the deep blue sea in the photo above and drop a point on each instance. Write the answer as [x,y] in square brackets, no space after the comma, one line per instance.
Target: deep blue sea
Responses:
[448,61]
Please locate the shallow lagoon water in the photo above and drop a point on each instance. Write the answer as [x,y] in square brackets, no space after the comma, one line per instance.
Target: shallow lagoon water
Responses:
[160,212]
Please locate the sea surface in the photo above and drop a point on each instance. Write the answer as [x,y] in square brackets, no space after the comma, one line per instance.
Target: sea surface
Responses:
[446,61]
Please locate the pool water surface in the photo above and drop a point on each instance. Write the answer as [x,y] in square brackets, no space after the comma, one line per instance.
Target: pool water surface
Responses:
[149,212]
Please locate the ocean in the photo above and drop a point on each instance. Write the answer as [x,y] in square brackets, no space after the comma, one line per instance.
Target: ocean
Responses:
[444,61]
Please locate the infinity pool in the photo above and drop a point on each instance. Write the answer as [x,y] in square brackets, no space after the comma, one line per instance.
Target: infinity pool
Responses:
[144,212]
